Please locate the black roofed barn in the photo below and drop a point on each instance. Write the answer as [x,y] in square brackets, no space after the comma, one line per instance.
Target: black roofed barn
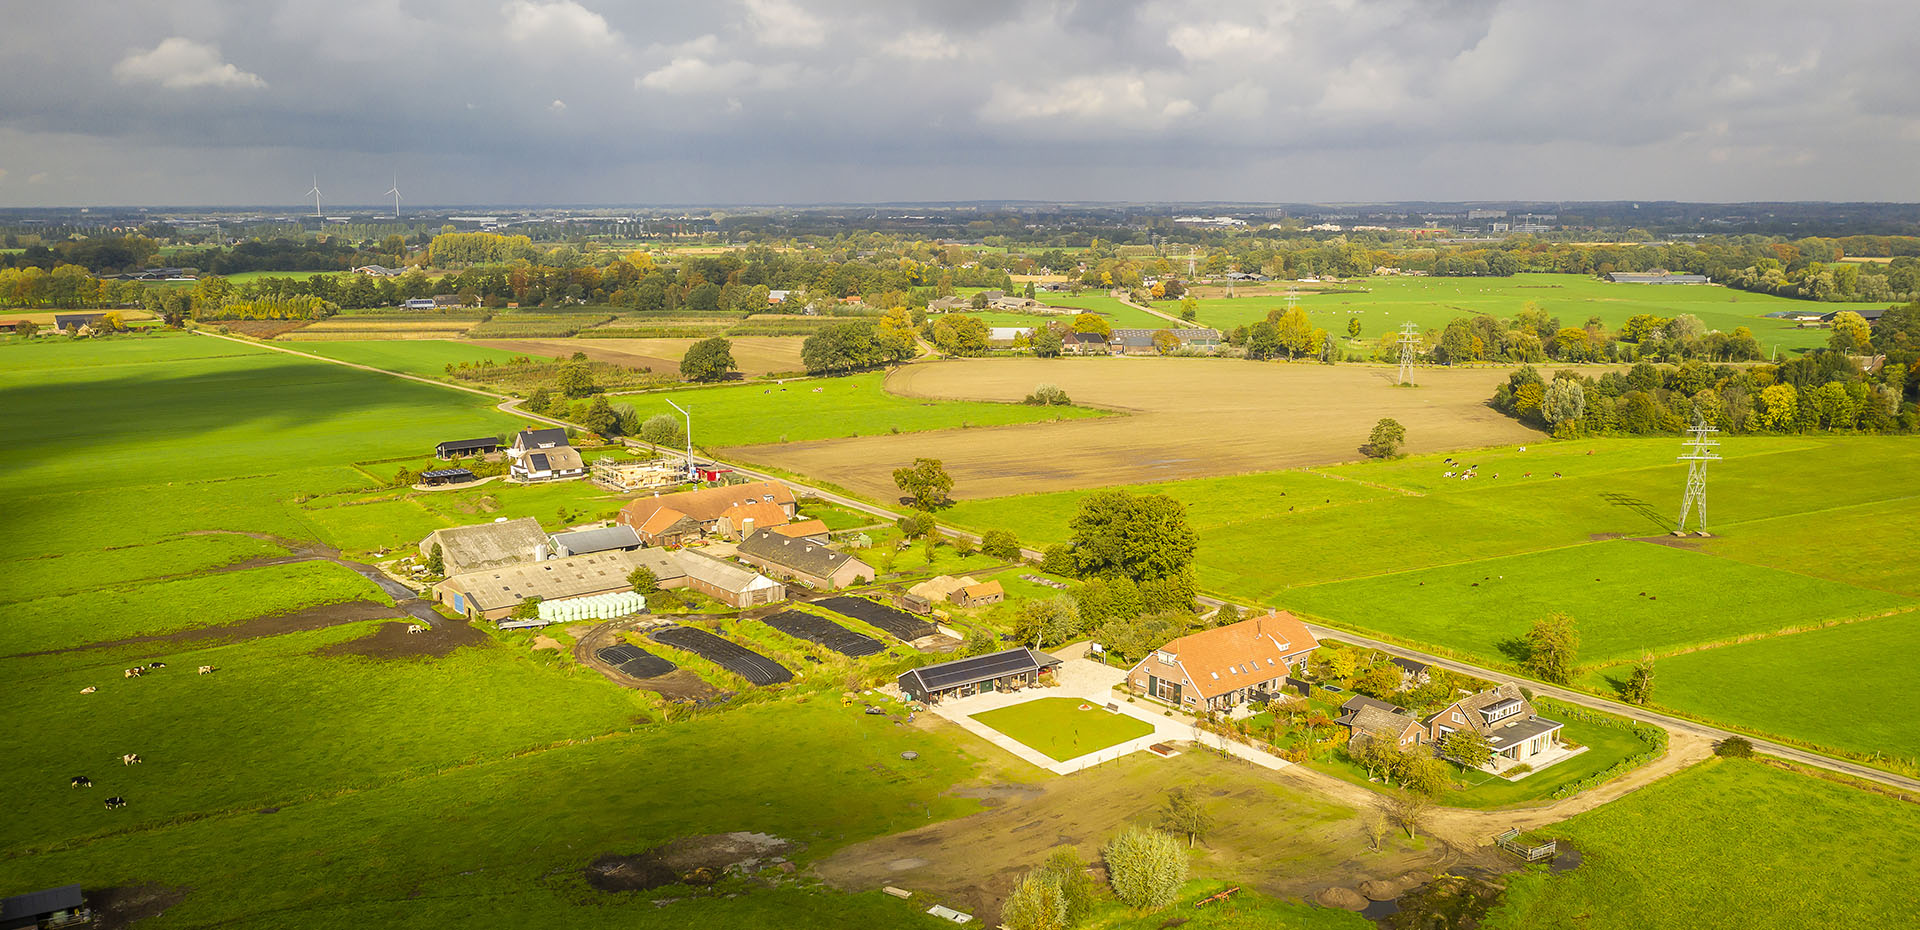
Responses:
[995,671]
[457,447]
[64,906]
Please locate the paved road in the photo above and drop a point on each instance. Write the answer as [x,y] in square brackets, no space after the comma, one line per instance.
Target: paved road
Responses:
[1802,756]
[1176,321]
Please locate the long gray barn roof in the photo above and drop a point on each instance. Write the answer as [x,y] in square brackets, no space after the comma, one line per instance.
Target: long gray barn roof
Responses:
[34,904]
[974,670]
[581,542]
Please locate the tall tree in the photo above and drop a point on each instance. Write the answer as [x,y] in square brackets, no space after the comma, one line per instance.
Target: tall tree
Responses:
[1137,538]
[1553,648]
[1639,687]
[1184,813]
[1385,440]
[926,481]
[708,360]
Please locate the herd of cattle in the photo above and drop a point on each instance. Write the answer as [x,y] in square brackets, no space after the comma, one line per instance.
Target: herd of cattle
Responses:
[131,758]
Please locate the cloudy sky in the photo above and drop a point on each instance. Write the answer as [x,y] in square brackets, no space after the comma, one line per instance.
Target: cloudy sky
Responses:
[799,101]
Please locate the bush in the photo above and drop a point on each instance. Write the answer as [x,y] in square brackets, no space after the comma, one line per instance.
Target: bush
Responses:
[1146,867]
[1000,544]
[1058,560]
[1734,747]
[1048,395]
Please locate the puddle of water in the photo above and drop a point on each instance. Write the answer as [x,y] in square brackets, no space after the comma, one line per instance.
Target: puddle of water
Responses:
[1566,859]
[1380,910]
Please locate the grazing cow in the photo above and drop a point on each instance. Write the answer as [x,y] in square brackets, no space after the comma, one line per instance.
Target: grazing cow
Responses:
[132,758]
[116,801]
[206,669]
[82,781]
[132,673]
[416,628]
[88,689]
[156,665]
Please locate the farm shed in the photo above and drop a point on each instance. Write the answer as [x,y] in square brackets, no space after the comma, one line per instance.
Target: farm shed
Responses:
[458,447]
[486,545]
[803,560]
[586,542]
[1635,277]
[64,906]
[996,671]
[440,476]
[1086,344]
[490,594]
[978,595]
[706,508]
[75,320]
[733,584]
[1222,668]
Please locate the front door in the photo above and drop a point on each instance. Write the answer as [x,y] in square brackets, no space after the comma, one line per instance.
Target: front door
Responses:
[986,687]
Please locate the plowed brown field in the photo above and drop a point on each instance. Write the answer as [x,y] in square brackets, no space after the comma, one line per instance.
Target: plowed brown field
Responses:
[1190,418]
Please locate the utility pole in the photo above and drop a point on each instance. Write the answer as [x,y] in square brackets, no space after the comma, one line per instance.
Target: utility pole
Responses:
[1697,452]
[1409,347]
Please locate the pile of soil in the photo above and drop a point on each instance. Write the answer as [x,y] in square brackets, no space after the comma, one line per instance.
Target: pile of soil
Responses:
[1341,897]
[114,908]
[392,641]
[690,860]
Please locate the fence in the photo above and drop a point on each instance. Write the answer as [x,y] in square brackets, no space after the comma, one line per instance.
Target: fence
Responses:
[1531,852]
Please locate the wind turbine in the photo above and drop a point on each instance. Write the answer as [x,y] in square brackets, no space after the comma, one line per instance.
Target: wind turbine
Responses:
[316,195]
[395,191]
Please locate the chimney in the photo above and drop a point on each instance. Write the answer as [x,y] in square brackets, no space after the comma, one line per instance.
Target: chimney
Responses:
[746,527]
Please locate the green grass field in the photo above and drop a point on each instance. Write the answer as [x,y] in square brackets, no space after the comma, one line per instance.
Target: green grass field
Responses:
[1845,687]
[829,408]
[1116,312]
[428,358]
[1729,844]
[1431,302]
[1398,549]
[1060,729]
[302,785]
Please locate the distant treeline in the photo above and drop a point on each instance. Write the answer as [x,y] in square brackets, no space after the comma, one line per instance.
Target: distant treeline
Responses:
[1830,389]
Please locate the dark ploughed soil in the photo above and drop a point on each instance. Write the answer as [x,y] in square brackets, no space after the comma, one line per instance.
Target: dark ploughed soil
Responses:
[691,860]
[313,618]
[114,908]
[392,641]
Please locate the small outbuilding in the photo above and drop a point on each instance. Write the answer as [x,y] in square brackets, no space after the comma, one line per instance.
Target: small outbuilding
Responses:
[978,595]
[454,448]
[995,671]
[64,906]
[443,476]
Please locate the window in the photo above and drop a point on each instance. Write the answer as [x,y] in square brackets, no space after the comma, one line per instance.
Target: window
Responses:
[1216,675]
[1457,718]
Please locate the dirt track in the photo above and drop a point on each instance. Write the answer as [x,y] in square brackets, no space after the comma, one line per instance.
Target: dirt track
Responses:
[1189,418]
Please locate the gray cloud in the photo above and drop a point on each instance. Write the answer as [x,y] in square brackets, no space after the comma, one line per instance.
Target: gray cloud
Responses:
[224,101]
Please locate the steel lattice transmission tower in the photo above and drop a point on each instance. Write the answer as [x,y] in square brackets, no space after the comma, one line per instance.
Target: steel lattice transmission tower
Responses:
[1409,347]
[1698,451]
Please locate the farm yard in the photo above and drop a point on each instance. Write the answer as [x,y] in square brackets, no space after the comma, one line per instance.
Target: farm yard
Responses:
[1185,418]
[1383,303]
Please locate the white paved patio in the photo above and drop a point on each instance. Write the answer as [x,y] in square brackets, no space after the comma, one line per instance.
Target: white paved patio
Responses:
[1093,683]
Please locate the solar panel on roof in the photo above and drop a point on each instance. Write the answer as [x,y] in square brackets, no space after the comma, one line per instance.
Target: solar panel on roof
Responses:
[979,668]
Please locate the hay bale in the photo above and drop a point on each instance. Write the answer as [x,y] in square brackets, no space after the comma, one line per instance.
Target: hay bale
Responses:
[1343,898]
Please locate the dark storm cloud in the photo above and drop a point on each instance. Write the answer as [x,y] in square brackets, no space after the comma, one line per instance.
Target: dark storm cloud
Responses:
[222,101]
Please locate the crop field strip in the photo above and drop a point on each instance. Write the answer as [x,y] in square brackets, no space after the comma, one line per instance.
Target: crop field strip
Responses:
[635,661]
[817,629]
[897,623]
[725,653]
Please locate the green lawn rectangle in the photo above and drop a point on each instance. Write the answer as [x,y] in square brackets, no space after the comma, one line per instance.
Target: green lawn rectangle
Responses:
[1057,727]
[425,357]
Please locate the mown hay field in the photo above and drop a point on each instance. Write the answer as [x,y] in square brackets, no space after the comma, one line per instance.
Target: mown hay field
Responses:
[1186,418]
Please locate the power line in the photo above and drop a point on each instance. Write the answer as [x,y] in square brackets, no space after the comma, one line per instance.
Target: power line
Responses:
[1697,451]
[1409,347]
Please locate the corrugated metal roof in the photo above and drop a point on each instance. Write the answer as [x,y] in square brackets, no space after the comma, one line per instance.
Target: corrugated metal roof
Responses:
[582,542]
[37,903]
